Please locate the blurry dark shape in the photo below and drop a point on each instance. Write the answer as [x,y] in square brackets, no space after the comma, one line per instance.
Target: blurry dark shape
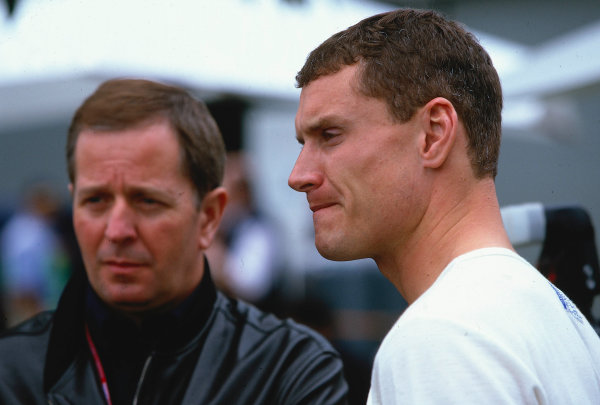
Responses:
[229,113]
[318,315]
[4,217]
[64,227]
[354,309]
[11,4]
[569,258]
[33,262]
[245,256]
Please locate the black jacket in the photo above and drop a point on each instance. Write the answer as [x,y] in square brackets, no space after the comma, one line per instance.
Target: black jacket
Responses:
[238,355]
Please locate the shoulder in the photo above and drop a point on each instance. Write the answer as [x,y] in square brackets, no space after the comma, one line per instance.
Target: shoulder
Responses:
[489,264]
[492,294]
[259,326]
[489,319]
[480,281]
[495,289]
[36,326]
[23,352]
[27,339]
[474,315]
[424,360]
[289,362]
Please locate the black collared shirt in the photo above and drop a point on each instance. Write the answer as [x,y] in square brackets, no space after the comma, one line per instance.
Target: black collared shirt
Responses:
[124,347]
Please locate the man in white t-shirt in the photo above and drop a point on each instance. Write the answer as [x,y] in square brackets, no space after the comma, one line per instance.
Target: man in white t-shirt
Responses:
[400,120]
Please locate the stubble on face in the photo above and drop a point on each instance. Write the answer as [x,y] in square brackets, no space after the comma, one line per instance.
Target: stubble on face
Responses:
[136,218]
[366,169]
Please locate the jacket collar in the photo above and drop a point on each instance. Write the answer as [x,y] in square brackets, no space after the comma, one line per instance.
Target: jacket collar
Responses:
[67,336]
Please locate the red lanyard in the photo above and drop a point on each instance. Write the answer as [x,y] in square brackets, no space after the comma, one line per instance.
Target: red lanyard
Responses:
[99,367]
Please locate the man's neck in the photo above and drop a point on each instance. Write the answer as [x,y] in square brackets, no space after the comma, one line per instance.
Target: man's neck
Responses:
[456,223]
[197,306]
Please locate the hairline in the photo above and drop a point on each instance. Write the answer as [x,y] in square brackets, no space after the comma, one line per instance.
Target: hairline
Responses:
[157,118]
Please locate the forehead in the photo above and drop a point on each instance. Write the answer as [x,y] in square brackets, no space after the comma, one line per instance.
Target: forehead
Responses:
[321,98]
[151,148]
[335,100]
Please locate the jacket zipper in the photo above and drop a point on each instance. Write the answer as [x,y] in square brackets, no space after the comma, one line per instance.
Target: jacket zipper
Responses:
[141,380]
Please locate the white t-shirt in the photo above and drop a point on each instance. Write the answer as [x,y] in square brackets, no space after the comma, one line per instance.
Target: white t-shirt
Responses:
[490,330]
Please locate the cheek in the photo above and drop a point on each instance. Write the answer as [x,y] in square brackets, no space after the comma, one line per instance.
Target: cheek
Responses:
[168,238]
[88,233]
[370,179]
[384,192]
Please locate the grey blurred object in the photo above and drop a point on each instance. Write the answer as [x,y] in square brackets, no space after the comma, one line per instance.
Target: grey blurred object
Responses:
[569,257]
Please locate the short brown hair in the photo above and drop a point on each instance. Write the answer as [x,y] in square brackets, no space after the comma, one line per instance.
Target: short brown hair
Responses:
[125,103]
[407,58]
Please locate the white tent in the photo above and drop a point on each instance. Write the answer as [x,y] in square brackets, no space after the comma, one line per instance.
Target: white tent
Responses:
[53,53]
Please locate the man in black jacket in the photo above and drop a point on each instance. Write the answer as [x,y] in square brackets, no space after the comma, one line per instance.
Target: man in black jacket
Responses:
[144,323]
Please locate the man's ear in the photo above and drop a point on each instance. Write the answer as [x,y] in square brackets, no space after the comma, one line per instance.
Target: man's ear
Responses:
[440,124]
[71,189]
[211,211]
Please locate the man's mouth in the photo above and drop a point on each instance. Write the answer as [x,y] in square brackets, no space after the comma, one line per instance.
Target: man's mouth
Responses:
[317,207]
[122,264]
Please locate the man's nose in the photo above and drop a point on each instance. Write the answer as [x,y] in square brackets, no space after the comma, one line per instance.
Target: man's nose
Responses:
[120,226]
[305,174]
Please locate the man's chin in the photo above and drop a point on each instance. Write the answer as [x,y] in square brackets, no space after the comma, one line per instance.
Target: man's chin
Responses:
[336,255]
[132,305]
[136,310]
[128,301]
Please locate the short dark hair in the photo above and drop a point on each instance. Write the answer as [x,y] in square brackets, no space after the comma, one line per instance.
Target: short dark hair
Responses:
[126,103]
[408,57]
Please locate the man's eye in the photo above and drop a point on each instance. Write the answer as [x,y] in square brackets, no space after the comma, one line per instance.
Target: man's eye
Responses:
[148,201]
[94,202]
[93,199]
[328,135]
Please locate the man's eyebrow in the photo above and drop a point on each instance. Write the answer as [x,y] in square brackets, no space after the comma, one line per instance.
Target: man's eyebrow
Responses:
[317,125]
[150,191]
[322,122]
[131,190]
[92,189]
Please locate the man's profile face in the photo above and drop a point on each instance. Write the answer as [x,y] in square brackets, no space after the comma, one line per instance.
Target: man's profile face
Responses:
[357,166]
[136,217]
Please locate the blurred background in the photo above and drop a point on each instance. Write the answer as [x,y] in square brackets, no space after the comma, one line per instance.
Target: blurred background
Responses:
[241,57]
